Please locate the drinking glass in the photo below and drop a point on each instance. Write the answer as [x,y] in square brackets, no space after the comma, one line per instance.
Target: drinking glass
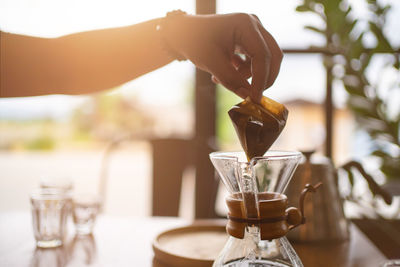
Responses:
[50,209]
[45,257]
[61,183]
[84,210]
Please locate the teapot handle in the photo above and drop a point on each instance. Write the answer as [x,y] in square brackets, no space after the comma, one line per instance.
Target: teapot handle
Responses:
[295,217]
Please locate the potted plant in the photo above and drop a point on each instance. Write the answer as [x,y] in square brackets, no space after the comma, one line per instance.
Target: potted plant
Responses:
[352,41]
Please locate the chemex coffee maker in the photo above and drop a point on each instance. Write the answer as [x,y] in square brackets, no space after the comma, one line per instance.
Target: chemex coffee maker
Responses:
[259,217]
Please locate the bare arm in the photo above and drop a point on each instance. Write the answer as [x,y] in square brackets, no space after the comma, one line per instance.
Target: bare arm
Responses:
[96,60]
[79,63]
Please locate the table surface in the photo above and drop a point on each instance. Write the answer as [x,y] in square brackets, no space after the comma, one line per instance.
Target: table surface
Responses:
[124,241]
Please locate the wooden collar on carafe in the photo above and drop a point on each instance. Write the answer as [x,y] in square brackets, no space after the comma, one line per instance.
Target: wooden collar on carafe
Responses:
[273,219]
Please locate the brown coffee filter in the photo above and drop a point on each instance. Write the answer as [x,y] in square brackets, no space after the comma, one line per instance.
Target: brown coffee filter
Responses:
[258,125]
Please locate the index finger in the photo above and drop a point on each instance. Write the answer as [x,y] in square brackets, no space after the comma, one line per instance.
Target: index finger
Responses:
[252,41]
[276,52]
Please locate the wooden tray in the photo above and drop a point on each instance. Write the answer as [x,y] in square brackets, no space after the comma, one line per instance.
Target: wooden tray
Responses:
[194,245]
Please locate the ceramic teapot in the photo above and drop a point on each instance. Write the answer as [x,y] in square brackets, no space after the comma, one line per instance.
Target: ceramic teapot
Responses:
[324,212]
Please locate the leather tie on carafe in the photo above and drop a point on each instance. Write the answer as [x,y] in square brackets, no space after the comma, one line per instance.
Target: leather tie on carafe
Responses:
[275,219]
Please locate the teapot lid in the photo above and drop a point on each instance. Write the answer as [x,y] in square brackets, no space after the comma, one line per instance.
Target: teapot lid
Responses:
[315,159]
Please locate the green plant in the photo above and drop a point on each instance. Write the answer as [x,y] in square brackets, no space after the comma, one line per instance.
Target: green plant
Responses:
[349,53]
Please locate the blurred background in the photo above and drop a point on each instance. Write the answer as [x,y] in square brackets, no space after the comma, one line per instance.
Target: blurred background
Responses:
[105,142]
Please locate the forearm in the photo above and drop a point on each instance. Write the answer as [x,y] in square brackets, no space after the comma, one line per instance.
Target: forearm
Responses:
[79,63]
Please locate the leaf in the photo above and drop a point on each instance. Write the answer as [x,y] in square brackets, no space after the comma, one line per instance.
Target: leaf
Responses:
[383,43]
[365,59]
[350,26]
[315,29]
[356,47]
[336,20]
[364,106]
[396,128]
[303,8]
[381,135]
[380,154]
[396,64]
[347,12]
[353,90]
[391,168]
[351,177]
[381,11]
[331,5]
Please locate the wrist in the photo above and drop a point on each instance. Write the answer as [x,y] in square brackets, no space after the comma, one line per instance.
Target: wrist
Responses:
[167,28]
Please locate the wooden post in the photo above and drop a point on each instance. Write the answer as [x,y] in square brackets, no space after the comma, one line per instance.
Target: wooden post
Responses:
[329,109]
[205,129]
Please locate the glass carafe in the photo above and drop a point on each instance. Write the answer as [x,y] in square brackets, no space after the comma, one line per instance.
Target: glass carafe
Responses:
[258,217]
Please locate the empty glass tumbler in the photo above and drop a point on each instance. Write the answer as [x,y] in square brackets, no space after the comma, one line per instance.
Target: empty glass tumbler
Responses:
[84,212]
[61,183]
[50,209]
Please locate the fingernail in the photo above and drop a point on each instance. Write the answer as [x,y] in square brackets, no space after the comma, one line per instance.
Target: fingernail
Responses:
[215,80]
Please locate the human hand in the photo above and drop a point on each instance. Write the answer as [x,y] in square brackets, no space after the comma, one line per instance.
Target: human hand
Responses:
[212,43]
